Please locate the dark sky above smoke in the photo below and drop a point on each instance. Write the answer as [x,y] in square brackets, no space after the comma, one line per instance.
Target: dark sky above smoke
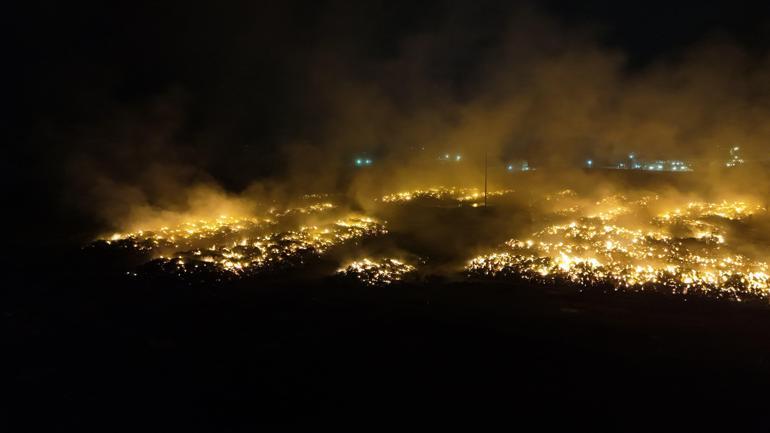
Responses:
[147,96]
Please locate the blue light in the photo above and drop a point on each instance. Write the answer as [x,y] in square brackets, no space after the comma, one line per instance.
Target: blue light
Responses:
[590,162]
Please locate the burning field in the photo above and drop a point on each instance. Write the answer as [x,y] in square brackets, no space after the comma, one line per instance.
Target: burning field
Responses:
[240,214]
[227,247]
[683,250]
[640,241]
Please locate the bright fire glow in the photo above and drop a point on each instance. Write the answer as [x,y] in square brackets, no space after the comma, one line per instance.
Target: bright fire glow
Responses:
[442,193]
[376,272]
[592,251]
[273,251]
[232,246]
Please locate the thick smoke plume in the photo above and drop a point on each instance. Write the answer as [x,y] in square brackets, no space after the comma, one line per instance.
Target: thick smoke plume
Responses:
[299,104]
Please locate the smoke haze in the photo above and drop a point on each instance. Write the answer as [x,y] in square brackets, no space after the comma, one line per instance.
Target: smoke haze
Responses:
[233,109]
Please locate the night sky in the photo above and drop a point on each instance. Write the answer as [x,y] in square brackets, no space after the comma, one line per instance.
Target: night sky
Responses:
[221,91]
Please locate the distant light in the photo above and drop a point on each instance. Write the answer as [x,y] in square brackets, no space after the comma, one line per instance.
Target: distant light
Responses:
[590,162]
[631,156]
[457,158]
[358,162]
[510,167]
[368,162]
[446,156]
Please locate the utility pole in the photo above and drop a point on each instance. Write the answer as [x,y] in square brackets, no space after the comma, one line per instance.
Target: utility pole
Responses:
[485,176]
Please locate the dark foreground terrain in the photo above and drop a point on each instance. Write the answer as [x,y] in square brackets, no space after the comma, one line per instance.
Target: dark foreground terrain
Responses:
[90,349]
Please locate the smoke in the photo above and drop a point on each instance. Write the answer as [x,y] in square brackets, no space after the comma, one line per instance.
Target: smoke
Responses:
[541,91]
[296,105]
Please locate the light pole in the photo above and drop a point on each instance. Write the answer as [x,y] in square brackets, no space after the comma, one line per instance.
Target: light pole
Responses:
[485,176]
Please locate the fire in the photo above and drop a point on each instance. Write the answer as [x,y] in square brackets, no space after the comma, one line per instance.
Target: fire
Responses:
[278,250]
[442,193]
[237,246]
[729,210]
[593,251]
[189,233]
[615,241]
[376,273]
[185,234]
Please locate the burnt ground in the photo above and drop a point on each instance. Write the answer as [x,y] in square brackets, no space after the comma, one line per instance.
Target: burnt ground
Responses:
[91,349]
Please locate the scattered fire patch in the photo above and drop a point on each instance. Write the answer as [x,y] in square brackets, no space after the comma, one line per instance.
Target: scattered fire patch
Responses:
[275,251]
[443,194]
[625,242]
[592,251]
[377,272]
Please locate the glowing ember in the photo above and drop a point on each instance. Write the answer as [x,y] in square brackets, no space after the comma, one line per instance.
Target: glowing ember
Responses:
[729,210]
[561,195]
[593,251]
[614,241]
[222,229]
[269,252]
[184,235]
[376,273]
[442,193]
[232,247]
[313,208]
